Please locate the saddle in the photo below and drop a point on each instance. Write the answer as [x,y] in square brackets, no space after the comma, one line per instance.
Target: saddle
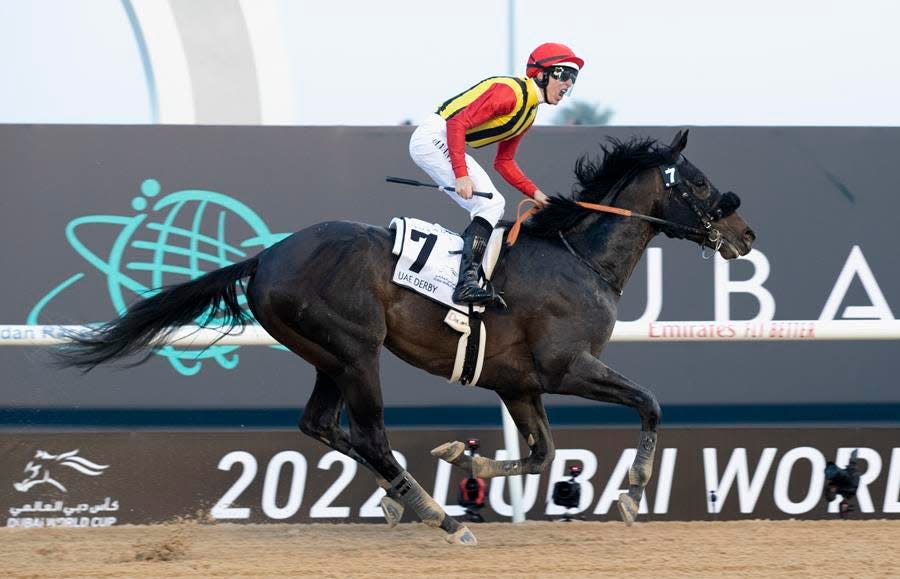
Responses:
[428,264]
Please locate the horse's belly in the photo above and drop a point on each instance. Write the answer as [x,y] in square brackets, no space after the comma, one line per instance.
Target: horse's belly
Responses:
[417,334]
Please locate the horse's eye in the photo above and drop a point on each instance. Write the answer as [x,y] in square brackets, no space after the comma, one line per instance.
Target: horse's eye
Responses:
[699,181]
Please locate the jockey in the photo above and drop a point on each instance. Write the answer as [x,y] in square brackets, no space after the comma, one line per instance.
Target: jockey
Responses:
[500,110]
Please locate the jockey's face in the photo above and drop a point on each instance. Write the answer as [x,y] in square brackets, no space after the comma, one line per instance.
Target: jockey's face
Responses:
[559,82]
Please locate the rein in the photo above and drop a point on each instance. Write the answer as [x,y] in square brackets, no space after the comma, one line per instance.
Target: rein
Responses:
[651,219]
[603,274]
[522,217]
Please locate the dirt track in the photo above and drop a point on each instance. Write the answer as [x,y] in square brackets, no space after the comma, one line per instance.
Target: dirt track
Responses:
[538,549]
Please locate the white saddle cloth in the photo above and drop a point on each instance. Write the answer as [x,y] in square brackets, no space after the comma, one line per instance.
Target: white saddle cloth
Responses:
[430,256]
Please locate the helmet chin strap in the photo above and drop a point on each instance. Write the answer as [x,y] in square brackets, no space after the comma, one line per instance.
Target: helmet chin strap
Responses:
[543,84]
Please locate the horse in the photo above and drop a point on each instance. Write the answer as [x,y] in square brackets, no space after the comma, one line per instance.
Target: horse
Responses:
[326,294]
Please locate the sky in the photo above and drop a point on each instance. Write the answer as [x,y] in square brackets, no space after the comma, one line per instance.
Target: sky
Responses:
[692,62]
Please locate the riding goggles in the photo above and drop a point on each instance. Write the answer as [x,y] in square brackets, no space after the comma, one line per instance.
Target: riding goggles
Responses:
[564,73]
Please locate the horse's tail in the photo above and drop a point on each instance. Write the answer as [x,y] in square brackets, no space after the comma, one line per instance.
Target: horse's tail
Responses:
[150,320]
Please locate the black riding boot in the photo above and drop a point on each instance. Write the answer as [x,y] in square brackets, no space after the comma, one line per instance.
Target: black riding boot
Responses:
[475,240]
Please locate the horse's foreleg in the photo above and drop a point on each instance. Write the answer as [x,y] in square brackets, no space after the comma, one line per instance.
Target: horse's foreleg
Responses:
[321,420]
[531,421]
[590,378]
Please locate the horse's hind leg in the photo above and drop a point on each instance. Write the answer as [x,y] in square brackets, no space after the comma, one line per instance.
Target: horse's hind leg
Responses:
[590,378]
[362,392]
[321,420]
[531,420]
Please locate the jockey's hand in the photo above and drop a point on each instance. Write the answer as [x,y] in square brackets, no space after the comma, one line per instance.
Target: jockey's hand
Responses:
[541,199]
[464,187]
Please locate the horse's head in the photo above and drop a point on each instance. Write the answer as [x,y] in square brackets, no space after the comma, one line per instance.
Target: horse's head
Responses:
[32,473]
[649,182]
[699,211]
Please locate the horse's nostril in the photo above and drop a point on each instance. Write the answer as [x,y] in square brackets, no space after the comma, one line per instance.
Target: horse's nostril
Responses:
[749,236]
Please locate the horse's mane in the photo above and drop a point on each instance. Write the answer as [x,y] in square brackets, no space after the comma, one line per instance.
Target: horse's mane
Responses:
[599,181]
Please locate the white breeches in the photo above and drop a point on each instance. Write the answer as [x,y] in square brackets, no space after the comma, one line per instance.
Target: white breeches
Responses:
[428,148]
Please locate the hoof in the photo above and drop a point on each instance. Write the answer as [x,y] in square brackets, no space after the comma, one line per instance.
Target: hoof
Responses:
[449,451]
[463,536]
[393,511]
[628,509]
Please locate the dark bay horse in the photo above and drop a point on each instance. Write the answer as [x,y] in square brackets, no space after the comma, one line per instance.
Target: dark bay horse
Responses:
[326,294]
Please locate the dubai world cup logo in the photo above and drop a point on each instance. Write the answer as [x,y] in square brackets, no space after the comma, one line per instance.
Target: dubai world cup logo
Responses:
[168,240]
[38,471]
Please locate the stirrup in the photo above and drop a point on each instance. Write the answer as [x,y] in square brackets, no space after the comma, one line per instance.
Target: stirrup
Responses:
[472,294]
[498,297]
[478,296]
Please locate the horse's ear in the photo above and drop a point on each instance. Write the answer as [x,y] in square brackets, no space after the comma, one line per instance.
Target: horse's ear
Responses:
[679,143]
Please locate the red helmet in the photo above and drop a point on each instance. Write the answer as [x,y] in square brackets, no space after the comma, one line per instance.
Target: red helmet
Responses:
[549,54]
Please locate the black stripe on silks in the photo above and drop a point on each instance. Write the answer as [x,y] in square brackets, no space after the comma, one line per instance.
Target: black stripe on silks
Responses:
[509,125]
[449,101]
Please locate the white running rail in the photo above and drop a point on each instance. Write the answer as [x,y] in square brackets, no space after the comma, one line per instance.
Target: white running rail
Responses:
[775,330]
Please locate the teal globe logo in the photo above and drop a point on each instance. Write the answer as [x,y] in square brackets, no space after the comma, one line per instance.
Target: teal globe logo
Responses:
[169,240]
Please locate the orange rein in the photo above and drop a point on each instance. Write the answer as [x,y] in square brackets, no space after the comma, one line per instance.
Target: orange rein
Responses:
[521,217]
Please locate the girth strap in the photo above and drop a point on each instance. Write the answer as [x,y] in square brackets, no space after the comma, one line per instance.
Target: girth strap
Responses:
[472,347]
